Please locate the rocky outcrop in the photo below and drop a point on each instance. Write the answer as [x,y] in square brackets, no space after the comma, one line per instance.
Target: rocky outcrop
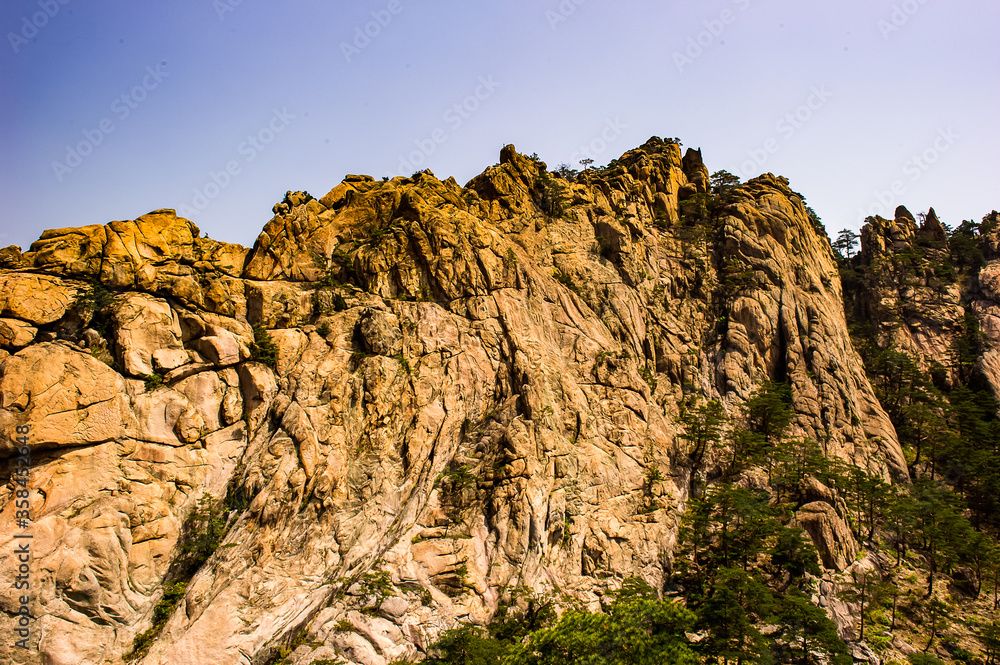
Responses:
[461,387]
[834,540]
[912,295]
[984,301]
[923,303]
[782,297]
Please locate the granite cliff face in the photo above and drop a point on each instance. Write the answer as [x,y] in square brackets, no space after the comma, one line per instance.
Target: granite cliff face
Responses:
[468,389]
[918,304]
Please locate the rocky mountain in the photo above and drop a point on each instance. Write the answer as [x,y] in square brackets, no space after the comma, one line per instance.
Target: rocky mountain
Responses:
[409,397]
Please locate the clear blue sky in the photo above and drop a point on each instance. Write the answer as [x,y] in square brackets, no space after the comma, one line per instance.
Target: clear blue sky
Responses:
[111,109]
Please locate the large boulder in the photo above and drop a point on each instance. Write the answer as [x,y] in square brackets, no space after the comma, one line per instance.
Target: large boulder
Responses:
[380,333]
[147,333]
[37,299]
[837,546]
[14,333]
[66,396]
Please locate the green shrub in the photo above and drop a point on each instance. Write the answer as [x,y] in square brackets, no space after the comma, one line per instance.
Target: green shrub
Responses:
[94,298]
[652,629]
[458,477]
[648,376]
[264,349]
[237,499]
[161,613]
[661,220]
[467,645]
[697,210]
[92,305]
[401,359]
[154,381]
[565,280]
[203,531]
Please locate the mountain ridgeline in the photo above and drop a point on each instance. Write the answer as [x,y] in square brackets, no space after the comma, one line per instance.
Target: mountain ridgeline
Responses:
[638,413]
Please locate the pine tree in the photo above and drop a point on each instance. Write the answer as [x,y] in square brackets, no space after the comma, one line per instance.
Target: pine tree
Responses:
[989,635]
[702,429]
[864,589]
[739,602]
[936,619]
[724,185]
[868,498]
[793,555]
[467,645]
[944,530]
[902,520]
[845,242]
[808,629]
[794,461]
[768,413]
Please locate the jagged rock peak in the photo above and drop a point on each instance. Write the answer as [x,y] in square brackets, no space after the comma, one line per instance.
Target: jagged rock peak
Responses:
[695,169]
[932,229]
[879,236]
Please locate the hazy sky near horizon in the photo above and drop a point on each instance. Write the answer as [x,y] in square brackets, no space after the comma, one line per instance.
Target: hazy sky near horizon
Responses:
[112,109]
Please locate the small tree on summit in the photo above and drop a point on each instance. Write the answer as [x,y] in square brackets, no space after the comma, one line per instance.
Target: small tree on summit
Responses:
[723,185]
[845,243]
[564,171]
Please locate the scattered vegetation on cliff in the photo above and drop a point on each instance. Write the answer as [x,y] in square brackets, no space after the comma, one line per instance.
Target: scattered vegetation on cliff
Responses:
[203,533]
[550,194]
[264,349]
[94,305]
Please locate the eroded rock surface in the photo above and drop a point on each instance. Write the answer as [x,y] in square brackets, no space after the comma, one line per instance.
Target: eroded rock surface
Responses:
[467,390]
